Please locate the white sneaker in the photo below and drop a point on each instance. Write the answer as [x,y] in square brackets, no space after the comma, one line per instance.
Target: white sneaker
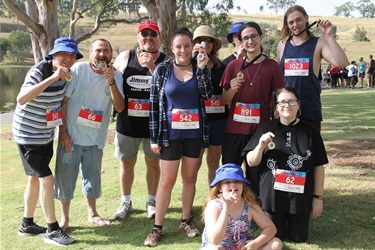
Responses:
[190,230]
[151,208]
[124,209]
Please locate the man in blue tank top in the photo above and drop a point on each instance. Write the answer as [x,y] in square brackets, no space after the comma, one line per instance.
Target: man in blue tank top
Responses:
[300,53]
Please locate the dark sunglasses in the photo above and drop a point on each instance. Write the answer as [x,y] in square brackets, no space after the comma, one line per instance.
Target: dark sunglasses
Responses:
[151,33]
[205,39]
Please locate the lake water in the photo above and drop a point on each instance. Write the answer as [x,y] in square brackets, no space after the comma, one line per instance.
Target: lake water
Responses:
[11,79]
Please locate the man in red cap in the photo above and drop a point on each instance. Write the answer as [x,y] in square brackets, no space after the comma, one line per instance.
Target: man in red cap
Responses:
[132,127]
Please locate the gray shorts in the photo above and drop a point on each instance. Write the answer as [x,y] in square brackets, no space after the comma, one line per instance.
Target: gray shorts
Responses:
[126,147]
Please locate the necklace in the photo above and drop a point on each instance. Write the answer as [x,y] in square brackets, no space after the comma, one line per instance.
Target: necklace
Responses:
[181,65]
[244,65]
[255,75]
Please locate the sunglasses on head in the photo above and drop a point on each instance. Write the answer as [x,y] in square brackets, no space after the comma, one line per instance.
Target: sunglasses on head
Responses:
[205,39]
[151,33]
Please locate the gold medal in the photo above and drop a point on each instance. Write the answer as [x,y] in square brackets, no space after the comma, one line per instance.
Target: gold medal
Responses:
[271,145]
[240,75]
[69,78]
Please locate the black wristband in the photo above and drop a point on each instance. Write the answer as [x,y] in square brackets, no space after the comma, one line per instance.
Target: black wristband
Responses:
[320,197]
[110,84]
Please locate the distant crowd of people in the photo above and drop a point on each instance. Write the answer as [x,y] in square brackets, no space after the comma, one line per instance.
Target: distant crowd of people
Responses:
[247,112]
[361,74]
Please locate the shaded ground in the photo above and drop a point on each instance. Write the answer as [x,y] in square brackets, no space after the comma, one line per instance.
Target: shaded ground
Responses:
[355,153]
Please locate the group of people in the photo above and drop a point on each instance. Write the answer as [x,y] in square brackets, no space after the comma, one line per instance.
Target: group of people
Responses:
[247,110]
[352,74]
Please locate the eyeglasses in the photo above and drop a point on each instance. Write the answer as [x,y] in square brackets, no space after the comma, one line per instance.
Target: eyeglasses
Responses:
[151,33]
[205,39]
[291,102]
[252,37]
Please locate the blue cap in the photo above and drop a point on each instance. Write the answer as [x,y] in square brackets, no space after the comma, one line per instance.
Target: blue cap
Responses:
[229,171]
[65,44]
[233,30]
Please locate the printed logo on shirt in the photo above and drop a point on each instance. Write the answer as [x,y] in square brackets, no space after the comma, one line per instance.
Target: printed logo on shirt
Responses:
[139,82]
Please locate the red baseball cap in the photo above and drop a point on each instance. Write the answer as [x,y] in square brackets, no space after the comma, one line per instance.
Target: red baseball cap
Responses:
[149,24]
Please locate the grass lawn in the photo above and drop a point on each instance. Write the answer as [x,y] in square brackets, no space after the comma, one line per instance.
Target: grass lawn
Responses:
[348,221]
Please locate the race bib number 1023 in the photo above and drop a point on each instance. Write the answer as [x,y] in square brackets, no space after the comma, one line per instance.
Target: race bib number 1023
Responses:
[296,66]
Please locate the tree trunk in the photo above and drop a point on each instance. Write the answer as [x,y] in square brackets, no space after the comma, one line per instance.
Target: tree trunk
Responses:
[42,23]
[164,13]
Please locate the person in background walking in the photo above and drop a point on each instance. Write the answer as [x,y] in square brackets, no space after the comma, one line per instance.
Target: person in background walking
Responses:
[371,72]
[361,71]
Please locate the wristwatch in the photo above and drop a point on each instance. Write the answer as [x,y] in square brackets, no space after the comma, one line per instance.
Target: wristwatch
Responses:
[320,197]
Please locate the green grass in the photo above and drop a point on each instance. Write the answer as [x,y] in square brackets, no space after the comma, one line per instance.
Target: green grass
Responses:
[348,220]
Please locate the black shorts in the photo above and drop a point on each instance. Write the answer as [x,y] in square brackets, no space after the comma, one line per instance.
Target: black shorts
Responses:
[184,147]
[36,159]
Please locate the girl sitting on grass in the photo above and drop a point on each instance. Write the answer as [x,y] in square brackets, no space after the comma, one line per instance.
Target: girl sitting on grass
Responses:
[228,212]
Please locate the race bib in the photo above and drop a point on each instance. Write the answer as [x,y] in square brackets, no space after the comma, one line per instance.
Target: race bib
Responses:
[90,118]
[296,66]
[214,105]
[290,181]
[138,107]
[185,119]
[246,113]
[54,117]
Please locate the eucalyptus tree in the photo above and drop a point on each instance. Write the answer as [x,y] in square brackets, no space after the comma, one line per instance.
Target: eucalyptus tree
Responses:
[366,8]
[41,18]
[345,9]
[277,5]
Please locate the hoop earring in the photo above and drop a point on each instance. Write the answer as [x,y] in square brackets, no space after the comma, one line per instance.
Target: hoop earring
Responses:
[276,114]
[299,113]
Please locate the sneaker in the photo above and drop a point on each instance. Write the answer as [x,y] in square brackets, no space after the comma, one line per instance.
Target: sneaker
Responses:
[124,209]
[151,209]
[153,238]
[189,228]
[58,237]
[31,230]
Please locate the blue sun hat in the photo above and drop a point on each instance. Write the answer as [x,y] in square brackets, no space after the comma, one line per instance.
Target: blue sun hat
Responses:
[233,30]
[65,44]
[229,171]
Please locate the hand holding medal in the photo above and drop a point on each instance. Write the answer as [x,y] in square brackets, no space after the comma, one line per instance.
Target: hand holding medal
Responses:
[266,141]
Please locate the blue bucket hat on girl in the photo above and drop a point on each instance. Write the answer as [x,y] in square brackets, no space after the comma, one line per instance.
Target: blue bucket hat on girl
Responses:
[229,171]
[233,30]
[65,44]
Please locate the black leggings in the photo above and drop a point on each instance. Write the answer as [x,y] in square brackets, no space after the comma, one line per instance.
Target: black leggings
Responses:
[292,226]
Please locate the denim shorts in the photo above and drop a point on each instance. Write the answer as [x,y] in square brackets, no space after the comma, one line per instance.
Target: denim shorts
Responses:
[67,170]
[127,147]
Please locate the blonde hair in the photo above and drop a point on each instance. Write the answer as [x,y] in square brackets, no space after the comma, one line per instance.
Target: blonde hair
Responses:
[247,195]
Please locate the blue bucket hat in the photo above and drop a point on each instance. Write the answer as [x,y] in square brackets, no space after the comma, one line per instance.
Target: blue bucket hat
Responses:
[65,44]
[233,30]
[229,171]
